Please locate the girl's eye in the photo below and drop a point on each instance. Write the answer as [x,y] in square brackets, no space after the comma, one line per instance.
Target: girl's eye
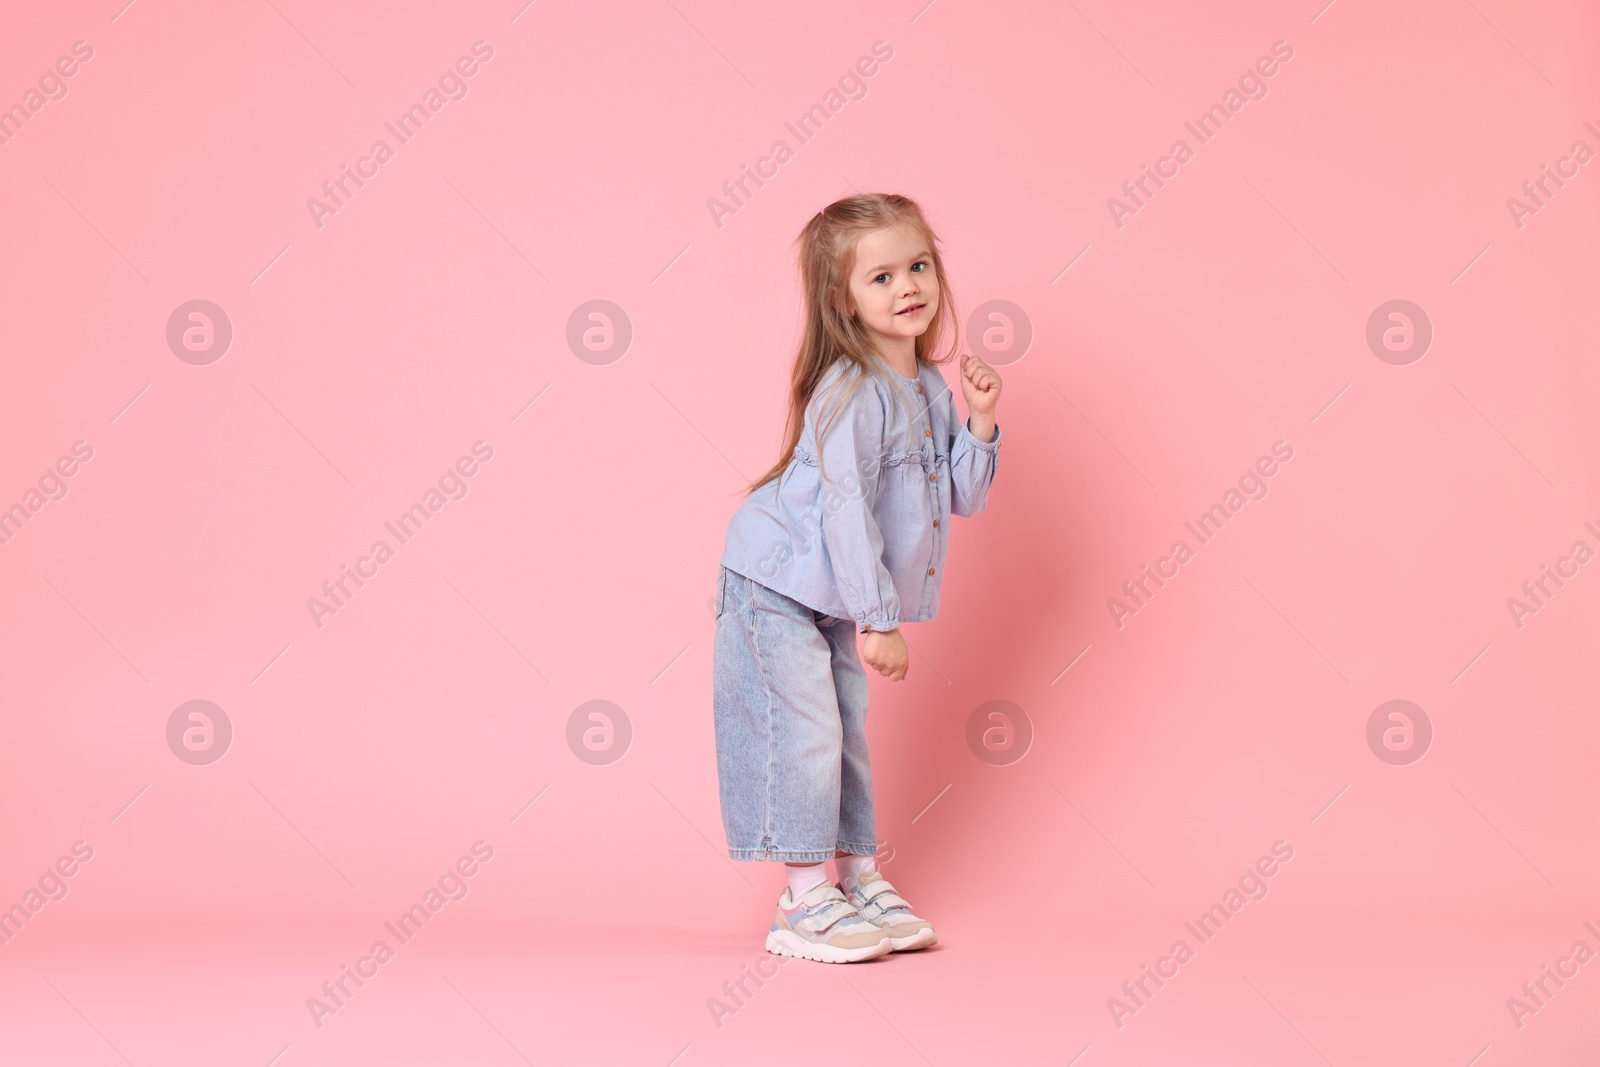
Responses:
[919,266]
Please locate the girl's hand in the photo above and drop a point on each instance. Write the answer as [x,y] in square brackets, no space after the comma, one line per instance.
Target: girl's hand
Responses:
[885,652]
[980,384]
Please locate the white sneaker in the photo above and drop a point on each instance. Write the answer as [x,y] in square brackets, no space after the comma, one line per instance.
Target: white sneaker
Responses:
[825,927]
[878,903]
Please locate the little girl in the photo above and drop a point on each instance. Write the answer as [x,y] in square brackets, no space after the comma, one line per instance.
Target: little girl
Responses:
[846,534]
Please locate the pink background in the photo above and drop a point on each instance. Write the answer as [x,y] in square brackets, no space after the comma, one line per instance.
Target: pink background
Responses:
[369,353]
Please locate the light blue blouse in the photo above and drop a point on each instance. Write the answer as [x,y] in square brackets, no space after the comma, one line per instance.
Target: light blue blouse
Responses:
[868,541]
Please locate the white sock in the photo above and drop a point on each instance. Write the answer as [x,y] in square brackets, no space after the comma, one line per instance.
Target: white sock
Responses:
[804,877]
[851,867]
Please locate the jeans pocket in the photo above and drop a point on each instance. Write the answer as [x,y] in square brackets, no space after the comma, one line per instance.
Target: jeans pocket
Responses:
[722,590]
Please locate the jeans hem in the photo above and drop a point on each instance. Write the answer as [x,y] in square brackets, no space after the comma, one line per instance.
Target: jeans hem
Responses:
[782,855]
[800,855]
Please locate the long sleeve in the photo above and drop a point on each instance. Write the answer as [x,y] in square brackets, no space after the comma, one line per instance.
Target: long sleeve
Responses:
[851,455]
[972,466]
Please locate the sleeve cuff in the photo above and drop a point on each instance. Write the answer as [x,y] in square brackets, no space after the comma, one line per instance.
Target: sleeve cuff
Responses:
[883,626]
[987,446]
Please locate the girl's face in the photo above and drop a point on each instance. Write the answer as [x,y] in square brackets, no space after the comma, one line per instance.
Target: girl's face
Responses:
[893,284]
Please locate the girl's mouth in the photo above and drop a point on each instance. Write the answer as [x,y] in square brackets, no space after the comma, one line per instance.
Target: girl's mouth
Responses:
[912,310]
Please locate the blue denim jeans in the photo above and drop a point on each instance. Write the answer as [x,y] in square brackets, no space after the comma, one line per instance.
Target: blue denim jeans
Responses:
[790,698]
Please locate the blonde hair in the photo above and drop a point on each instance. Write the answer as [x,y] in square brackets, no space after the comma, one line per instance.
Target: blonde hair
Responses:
[834,332]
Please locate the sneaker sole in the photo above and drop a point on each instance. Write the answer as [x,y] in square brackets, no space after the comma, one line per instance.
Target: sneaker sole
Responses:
[789,943]
[921,939]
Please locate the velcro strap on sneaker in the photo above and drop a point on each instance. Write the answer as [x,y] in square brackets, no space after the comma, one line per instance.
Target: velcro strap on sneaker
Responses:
[882,894]
[820,921]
